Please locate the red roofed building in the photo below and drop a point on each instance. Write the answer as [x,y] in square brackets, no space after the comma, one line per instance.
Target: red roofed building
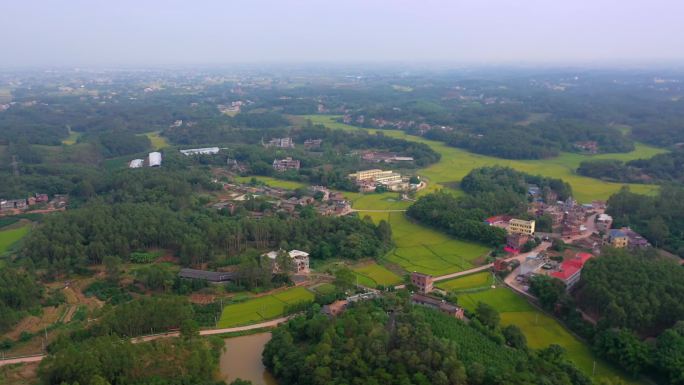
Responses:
[571,269]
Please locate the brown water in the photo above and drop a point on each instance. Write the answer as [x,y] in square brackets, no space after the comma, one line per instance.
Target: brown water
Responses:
[242,359]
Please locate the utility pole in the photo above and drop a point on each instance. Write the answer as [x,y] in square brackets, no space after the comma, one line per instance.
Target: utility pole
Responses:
[15,165]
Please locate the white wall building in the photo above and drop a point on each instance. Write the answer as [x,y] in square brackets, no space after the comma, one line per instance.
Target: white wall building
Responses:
[155,159]
[200,151]
[136,163]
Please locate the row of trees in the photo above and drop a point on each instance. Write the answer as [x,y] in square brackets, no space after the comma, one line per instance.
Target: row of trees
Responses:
[662,168]
[86,235]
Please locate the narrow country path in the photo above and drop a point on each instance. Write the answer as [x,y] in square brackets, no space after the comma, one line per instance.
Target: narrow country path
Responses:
[378,211]
[207,332]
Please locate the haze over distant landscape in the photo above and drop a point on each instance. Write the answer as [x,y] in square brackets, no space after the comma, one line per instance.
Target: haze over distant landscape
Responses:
[210,32]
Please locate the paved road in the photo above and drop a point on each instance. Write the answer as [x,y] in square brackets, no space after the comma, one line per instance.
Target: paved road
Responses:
[378,211]
[208,332]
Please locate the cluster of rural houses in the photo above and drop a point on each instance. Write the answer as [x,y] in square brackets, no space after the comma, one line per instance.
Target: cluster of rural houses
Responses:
[15,206]
[324,201]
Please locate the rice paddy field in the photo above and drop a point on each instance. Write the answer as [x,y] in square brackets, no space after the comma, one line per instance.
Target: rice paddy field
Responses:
[372,275]
[273,182]
[540,329]
[10,236]
[262,308]
[456,163]
[420,248]
[483,280]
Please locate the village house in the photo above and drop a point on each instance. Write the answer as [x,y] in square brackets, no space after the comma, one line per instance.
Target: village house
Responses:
[590,146]
[285,164]
[13,204]
[438,304]
[603,222]
[312,143]
[515,242]
[500,221]
[424,282]
[281,143]
[520,226]
[617,238]
[299,259]
[570,270]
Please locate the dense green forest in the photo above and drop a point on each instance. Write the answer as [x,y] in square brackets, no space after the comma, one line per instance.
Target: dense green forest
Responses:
[393,342]
[659,218]
[490,191]
[110,360]
[636,299]
[86,235]
[662,168]
[19,293]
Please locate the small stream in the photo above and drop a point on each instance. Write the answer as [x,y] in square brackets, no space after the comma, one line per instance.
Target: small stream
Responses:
[242,359]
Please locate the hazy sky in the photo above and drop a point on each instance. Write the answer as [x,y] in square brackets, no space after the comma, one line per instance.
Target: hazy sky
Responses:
[190,32]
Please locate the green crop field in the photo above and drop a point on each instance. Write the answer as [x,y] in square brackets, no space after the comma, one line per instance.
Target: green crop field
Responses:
[420,248]
[262,308]
[73,137]
[158,141]
[273,182]
[11,236]
[372,275]
[469,282]
[456,163]
[326,288]
[539,329]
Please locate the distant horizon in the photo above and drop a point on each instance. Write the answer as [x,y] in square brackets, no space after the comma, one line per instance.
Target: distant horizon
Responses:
[176,33]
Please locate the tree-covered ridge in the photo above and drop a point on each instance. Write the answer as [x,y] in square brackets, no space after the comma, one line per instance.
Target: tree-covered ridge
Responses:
[490,191]
[411,345]
[640,293]
[496,178]
[658,218]
[662,168]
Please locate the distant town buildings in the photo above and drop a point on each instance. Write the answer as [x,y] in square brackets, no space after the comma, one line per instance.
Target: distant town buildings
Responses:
[200,151]
[384,157]
[286,164]
[424,282]
[281,143]
[590,147]
[312,143]
[369,180]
